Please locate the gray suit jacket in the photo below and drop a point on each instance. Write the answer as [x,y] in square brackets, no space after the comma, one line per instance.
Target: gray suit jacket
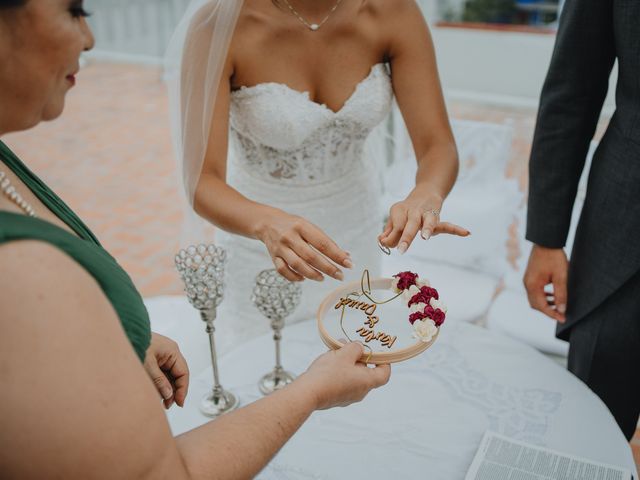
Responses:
[606,252]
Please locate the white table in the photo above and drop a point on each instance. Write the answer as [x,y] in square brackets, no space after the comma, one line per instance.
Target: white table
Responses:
[428,421]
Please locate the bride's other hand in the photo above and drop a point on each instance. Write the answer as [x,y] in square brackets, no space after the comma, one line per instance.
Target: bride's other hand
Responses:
[414,215]
[167,369]
[301,250]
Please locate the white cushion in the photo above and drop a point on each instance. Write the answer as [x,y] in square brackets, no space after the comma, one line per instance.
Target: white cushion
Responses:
[511,314]
[466,293]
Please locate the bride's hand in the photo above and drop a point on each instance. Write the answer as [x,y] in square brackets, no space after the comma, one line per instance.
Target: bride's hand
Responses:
[301,250]
[414,215]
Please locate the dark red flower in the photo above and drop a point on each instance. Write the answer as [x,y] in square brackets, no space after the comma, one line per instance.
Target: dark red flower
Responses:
[416,316]
[438,317]
[430,292]
[424,296]
[406,279]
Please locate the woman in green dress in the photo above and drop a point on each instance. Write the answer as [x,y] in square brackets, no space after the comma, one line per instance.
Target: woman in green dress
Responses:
[78,362]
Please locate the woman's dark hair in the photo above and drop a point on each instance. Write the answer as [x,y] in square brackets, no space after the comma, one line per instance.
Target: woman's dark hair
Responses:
[12,3]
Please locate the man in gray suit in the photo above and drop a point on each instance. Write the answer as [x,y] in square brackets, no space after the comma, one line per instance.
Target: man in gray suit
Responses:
[596,296]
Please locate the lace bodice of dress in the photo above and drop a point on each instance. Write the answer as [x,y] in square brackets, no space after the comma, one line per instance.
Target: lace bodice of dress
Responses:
[281,135]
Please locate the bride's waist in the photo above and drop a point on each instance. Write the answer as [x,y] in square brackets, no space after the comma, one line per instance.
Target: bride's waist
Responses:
[354,182]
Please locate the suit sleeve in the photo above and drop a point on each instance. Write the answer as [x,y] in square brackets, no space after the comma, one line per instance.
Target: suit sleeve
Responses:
[570,105]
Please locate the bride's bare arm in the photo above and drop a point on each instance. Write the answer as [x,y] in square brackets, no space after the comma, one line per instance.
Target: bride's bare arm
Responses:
[298,248]
[77,403]
[419,94]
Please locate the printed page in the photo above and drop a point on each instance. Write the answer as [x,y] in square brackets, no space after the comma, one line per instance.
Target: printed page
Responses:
[500,458]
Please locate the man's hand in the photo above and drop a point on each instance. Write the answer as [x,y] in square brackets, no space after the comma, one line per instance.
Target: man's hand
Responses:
[547,266]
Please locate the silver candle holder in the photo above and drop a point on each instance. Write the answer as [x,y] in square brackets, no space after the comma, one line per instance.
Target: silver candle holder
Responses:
[276,298]
[202,271]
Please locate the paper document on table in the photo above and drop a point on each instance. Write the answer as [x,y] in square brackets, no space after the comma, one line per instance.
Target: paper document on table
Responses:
[501,458]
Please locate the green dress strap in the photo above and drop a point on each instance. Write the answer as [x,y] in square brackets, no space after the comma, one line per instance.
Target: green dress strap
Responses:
[85,249]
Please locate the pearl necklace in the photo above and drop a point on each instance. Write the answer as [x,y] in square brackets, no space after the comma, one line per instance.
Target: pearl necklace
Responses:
[11,193]
[312,26]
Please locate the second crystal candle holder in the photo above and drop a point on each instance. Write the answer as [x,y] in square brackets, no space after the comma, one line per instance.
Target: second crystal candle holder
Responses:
[276,298]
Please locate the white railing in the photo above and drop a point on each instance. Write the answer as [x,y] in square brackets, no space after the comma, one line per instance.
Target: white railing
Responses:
[134,29]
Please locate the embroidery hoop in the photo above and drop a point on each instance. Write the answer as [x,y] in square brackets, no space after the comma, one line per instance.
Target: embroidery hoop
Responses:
[376,358]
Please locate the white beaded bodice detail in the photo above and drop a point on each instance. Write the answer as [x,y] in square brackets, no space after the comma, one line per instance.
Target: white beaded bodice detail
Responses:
[281,135]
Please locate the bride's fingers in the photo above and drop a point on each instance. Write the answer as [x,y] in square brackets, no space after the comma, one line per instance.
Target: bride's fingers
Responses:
[397,219]
[284,270]
[430,221]
[322,243]
[318,261]
[301,267]
[450,229]
[410,231]
[386,231]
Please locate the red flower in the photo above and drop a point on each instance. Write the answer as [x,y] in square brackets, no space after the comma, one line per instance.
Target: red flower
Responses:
[430,292]
[406,279]
[438,317]
[424,296]
[416,316]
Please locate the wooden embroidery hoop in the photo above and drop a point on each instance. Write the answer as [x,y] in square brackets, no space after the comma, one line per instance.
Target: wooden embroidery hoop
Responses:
[375,358]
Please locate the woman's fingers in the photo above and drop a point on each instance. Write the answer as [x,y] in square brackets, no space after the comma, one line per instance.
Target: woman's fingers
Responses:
[397,221]
[301,267]
[430,221]
[386,231]
[318,261]
[323,244]
[160,380]
[450,229]
[179,372]
[410,231]
[284,270]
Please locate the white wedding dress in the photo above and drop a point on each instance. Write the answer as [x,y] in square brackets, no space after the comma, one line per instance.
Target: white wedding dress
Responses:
[300,156]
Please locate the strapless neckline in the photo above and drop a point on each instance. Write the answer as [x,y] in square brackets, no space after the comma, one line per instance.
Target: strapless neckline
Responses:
[306,94]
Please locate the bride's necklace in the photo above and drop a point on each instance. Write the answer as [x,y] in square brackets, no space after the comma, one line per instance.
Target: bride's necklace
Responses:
[11,193]
[312,26]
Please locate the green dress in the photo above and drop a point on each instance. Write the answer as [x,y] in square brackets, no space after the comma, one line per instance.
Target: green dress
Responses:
[85,249]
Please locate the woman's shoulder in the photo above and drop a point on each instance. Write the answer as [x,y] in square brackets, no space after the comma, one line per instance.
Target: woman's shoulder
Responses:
[40,278]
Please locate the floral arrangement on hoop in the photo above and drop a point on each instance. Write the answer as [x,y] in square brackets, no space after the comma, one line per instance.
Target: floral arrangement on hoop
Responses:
[426,311]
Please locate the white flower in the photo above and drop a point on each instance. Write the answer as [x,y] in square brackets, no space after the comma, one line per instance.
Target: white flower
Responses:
[438,304]
[424,330]
[394,285]
[410,292]
[417,307]
[422,282]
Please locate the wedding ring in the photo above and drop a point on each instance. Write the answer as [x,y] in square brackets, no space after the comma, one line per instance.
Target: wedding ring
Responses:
[386,250]
[433,211]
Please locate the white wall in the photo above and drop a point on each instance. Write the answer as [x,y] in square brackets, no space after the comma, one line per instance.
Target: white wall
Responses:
[496,67]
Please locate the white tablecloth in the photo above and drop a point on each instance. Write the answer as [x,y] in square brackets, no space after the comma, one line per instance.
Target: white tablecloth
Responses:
[428,421]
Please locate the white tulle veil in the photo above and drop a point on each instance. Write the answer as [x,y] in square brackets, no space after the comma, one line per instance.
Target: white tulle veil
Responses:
[194,64]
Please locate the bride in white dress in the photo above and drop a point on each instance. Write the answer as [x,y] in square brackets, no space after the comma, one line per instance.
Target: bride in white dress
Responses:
[286,94]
